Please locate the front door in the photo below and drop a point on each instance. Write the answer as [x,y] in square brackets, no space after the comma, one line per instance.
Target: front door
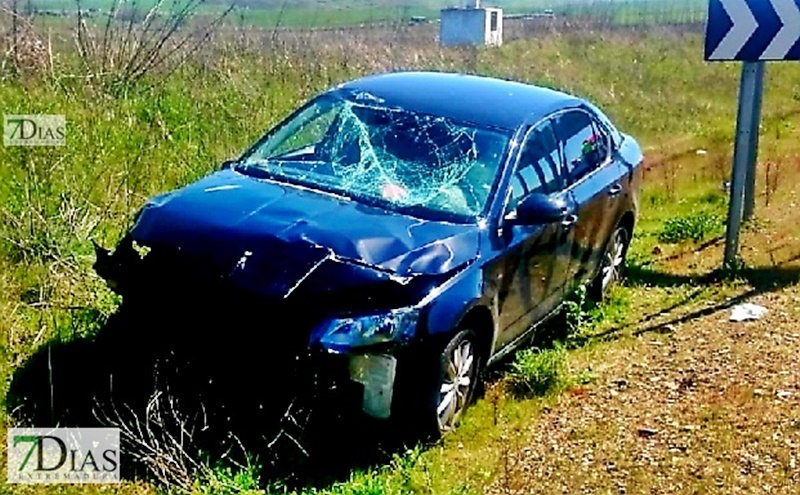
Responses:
[538,256]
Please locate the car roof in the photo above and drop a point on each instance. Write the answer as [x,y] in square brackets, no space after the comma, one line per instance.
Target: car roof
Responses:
[485,101]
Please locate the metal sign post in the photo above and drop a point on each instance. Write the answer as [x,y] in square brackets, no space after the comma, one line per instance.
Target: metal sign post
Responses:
[750,31]
[752,157]
[744,155]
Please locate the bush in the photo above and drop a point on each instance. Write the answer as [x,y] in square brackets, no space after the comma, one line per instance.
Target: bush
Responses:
[695,227]
[536,372]
[577,307]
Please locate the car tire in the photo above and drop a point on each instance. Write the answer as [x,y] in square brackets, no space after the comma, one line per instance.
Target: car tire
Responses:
[612,265]
[457,379]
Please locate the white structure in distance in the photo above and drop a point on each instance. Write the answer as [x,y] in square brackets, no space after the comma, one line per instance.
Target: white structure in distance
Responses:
[471,24]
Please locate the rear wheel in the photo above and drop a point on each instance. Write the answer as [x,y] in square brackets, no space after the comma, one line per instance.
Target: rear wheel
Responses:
[612,265]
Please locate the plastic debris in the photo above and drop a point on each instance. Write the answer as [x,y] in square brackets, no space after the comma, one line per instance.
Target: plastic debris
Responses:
[747,311]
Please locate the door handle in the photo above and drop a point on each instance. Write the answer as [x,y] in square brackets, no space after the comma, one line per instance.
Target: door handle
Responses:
[615,190]
[569,221]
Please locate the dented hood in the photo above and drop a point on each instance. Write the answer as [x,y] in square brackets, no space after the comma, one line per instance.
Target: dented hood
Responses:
[258,229]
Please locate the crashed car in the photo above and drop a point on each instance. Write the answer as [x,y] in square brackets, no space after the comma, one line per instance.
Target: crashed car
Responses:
[415,228]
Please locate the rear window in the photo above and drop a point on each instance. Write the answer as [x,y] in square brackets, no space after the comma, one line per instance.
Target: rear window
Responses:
[584,147]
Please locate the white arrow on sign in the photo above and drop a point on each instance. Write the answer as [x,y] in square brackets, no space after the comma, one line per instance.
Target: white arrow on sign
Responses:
[744,25]
[787,36]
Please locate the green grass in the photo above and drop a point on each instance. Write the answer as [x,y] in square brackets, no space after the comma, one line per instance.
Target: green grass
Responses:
[222,479]
[123,147]
[536,372]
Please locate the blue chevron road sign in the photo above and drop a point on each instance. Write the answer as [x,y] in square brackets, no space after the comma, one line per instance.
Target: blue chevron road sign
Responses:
[753,30]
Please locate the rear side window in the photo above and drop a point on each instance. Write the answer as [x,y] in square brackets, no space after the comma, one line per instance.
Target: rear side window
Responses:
[603,141]
[538,168]
[584,147]
[614,136]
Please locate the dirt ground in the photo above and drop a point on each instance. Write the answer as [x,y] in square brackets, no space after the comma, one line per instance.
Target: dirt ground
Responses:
[703,406]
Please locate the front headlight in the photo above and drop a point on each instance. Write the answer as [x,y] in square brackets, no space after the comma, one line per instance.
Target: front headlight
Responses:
[346,333]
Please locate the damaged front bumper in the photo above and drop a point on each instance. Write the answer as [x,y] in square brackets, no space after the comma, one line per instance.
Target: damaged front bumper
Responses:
[376,374]
[375,370]
[356,356]
[382,384]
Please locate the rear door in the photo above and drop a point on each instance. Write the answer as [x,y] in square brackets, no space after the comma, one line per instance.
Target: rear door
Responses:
[595,183]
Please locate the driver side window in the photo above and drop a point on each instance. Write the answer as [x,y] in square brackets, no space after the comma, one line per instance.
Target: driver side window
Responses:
[538,167]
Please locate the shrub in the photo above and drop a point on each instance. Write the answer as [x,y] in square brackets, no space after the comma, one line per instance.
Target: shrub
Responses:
[577,306]
[536,372]
[695,227]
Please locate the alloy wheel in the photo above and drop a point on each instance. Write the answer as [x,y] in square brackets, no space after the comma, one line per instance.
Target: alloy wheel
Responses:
[614,260]
[457,381]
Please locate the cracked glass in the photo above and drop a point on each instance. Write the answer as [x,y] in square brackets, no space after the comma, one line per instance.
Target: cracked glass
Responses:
[386,156]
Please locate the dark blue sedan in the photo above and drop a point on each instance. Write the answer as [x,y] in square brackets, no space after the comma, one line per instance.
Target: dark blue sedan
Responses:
[401,232]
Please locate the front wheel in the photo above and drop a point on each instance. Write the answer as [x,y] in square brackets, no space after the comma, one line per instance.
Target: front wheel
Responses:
[612,265]
[457,380]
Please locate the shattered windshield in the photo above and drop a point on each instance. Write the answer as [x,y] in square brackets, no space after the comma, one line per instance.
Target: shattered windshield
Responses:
[386,156]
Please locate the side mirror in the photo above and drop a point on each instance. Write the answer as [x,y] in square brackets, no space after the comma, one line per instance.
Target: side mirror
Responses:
[537,209]
[229,163]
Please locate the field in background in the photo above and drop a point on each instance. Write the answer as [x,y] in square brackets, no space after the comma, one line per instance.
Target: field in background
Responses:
[126,145]
[349,13]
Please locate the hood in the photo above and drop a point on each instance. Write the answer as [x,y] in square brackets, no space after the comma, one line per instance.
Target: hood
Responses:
[275,236]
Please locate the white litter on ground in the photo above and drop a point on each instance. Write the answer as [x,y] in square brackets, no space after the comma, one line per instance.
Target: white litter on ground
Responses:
[747,311]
